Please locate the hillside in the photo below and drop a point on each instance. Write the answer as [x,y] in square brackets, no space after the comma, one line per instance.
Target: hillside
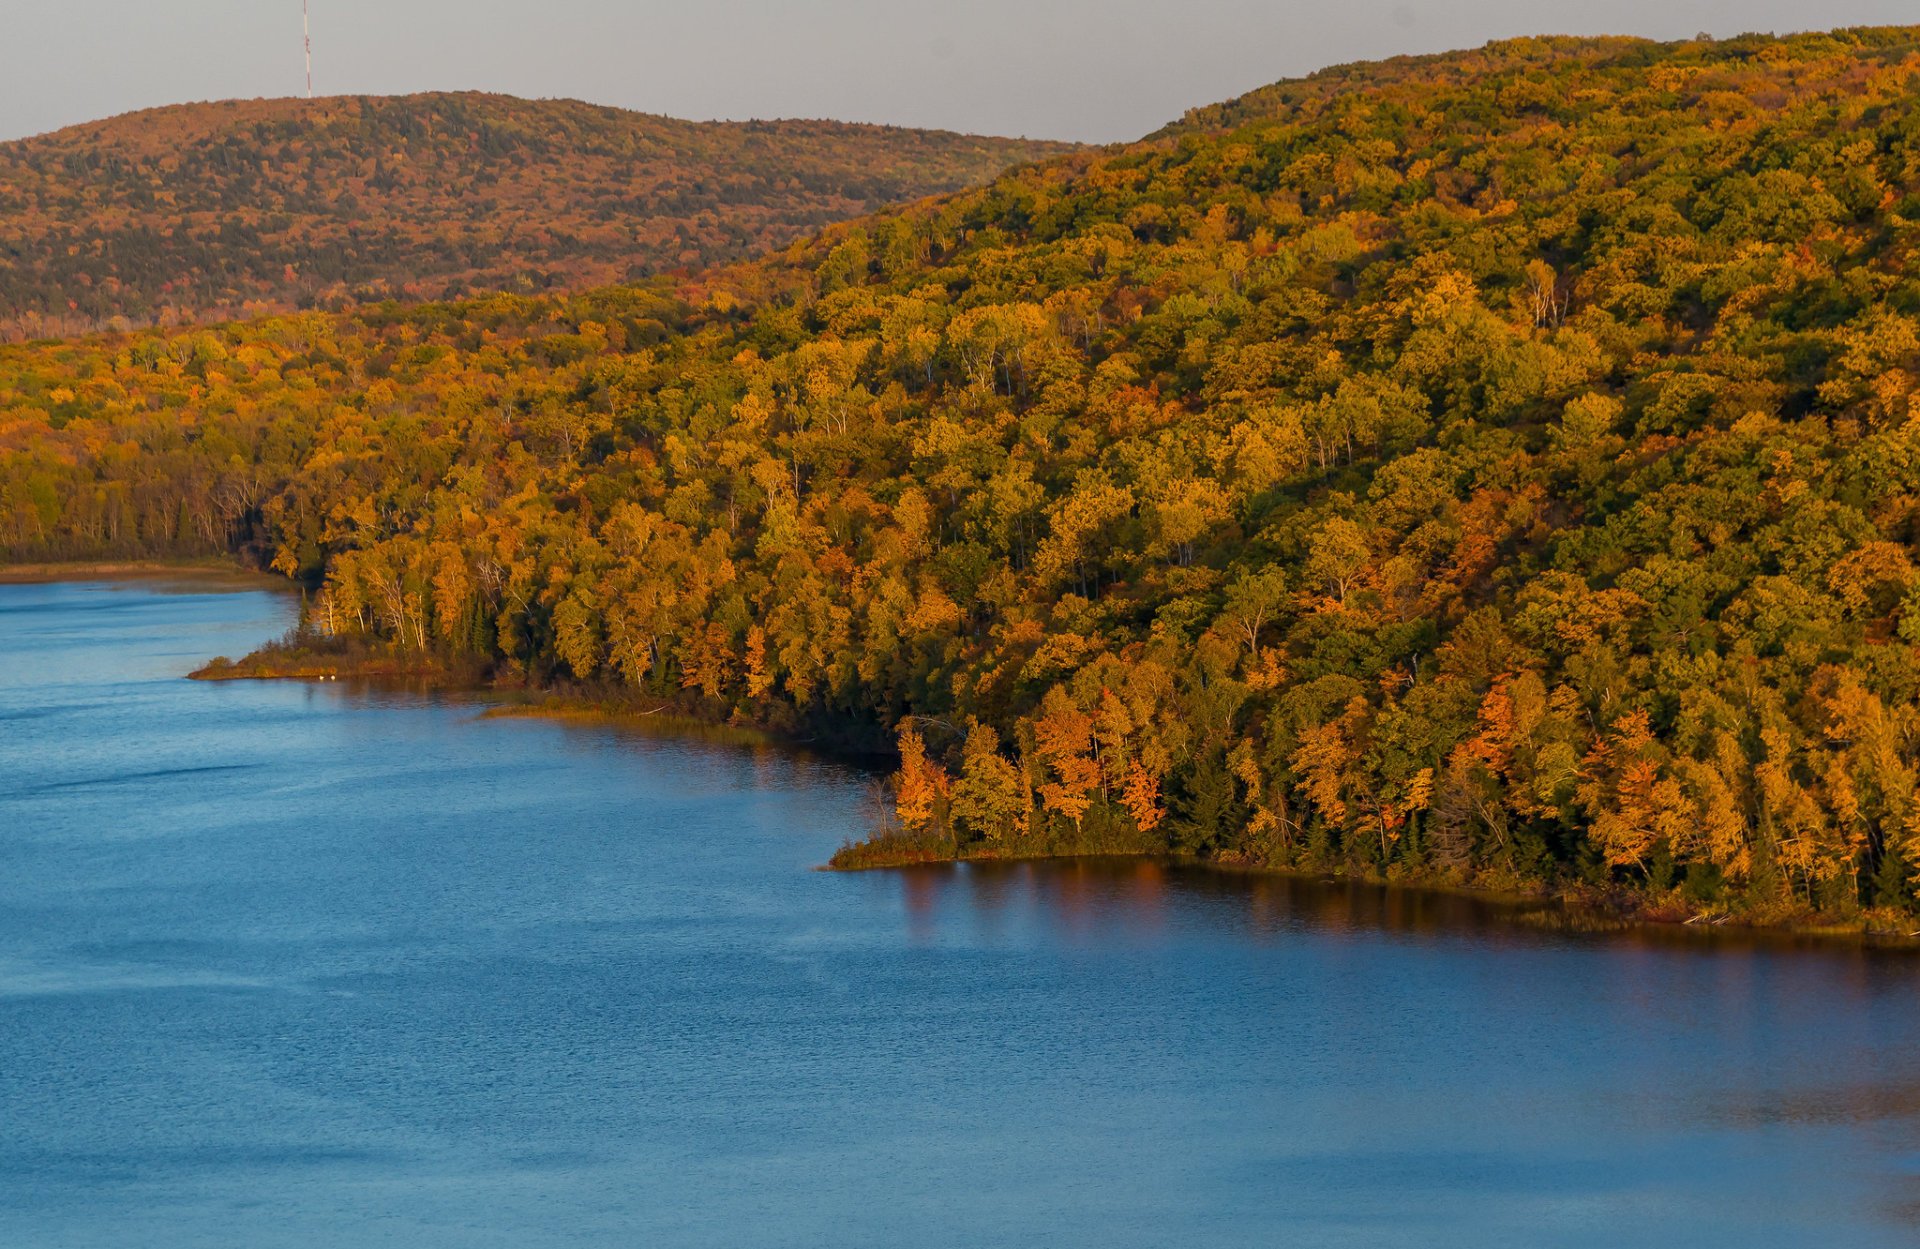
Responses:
[209,211]
[1500,469]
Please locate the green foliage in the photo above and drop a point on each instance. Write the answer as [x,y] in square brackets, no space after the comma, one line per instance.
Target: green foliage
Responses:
[1500,468]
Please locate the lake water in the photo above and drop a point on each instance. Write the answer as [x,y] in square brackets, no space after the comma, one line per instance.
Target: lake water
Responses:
[293,965]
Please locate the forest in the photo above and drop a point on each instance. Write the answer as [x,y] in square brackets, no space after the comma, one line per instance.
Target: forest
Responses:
[1499,469]
[206,212]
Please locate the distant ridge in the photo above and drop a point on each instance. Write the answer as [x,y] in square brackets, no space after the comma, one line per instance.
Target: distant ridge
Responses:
[211,211]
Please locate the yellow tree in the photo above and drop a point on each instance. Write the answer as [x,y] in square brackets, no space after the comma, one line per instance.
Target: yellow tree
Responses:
[921,786]
[1063,740]
[1633,806]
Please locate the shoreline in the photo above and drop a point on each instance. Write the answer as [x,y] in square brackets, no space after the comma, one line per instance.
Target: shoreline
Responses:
[664,723]
[425,673]
[221,668]
[1572,912]
[212,570]
[1572,915]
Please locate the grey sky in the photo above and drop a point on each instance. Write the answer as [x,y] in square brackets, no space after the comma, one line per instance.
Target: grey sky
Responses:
[1072,69]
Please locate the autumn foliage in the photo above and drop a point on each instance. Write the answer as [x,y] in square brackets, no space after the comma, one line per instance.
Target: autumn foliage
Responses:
[1500,468]
[206,212]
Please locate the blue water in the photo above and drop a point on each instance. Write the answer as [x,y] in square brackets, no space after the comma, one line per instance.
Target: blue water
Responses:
[297,965]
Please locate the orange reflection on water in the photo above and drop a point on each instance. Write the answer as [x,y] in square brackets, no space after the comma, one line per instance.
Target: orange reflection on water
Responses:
[1106,895]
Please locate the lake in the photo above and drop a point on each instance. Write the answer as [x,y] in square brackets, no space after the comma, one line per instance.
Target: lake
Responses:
[299,965]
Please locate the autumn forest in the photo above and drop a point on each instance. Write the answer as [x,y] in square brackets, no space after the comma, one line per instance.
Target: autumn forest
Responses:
[206,212]
[1499,469]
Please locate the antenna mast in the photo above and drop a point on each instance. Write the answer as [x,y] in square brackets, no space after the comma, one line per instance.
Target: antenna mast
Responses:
[306,39]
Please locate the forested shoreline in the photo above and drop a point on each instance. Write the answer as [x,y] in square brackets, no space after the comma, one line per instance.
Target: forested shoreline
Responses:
[1499,470]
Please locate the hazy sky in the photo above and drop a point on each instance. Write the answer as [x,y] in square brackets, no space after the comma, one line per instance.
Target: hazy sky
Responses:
[1071,69]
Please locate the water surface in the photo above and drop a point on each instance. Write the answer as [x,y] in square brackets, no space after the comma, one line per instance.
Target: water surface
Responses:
[289,965]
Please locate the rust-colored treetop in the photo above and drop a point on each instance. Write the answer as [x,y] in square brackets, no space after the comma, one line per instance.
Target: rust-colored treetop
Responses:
[207,212]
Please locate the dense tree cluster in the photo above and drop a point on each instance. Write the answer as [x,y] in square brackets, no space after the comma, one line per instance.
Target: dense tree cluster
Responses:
[1500,468]
[205,212]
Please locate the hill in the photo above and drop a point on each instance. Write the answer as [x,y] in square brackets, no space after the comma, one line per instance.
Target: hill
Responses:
[205,212]
[1500,469]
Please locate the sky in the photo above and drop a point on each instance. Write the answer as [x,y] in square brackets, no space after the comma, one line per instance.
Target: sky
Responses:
[1092,70]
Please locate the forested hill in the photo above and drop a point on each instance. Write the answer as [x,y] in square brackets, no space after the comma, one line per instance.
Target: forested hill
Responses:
[1502,469]
[209,211]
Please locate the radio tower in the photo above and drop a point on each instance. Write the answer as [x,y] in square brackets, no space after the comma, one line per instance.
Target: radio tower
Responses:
[306,39]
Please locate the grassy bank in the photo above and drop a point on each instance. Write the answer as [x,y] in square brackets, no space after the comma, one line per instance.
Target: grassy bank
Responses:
[306,655]
[220,572]
[896,847]
[658,721]
[1580,911]
[302,655]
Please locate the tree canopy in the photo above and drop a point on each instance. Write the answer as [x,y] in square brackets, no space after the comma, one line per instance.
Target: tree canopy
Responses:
[1500,468]
[205,212]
